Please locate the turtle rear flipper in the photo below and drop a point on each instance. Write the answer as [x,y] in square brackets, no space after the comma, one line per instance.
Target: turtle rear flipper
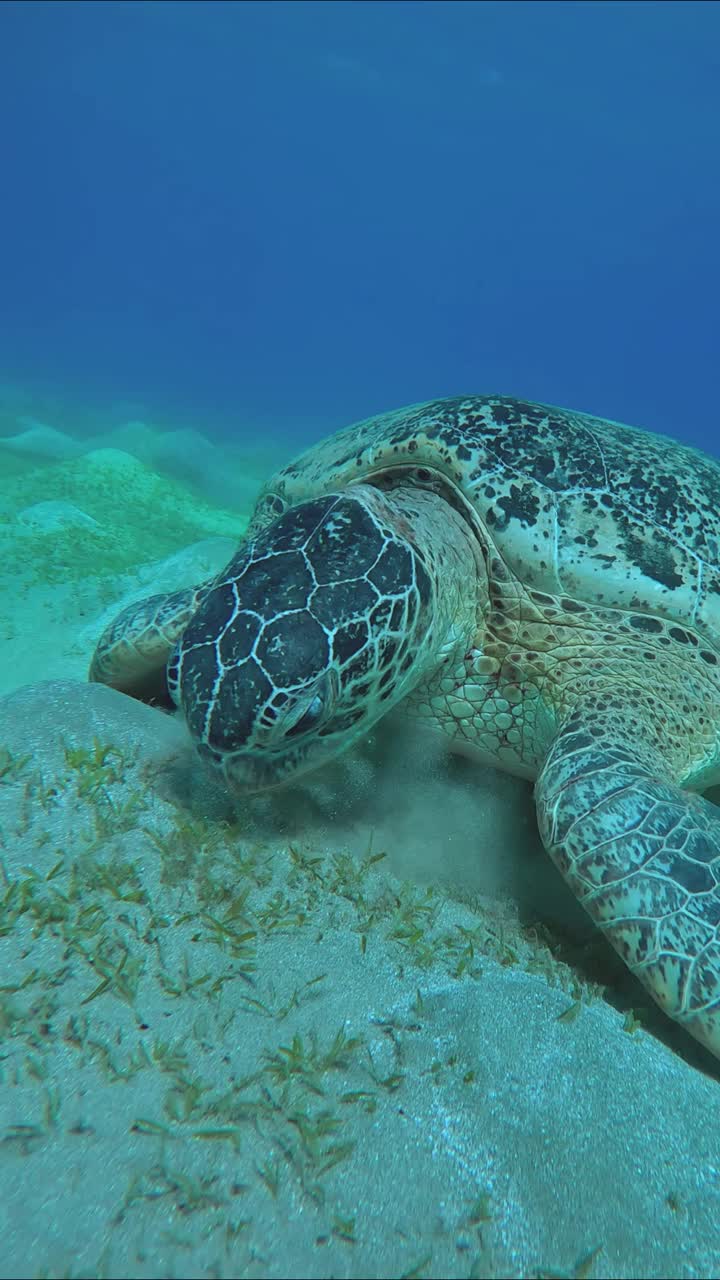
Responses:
[133,652]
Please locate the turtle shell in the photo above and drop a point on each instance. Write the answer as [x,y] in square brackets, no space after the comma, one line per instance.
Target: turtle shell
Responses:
[575,505]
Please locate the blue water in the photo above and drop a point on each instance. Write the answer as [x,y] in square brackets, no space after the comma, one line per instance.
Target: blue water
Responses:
[283,216]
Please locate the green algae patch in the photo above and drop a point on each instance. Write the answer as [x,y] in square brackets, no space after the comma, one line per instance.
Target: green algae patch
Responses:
[135,516]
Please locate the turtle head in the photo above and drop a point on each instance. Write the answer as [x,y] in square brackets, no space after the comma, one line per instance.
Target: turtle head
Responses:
[320,623]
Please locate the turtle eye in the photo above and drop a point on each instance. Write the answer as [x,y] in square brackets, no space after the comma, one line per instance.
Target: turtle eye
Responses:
[310,719]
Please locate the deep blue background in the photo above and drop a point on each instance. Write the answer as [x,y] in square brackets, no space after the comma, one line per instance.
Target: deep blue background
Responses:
[289,215]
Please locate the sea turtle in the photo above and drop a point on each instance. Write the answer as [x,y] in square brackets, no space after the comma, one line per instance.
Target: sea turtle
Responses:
[542,586]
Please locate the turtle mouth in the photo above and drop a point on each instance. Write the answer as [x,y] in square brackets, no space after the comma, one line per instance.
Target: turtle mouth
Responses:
[248,771]
[285,740]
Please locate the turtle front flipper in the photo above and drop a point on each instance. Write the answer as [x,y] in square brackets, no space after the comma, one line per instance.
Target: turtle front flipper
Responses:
[643,857]
[132,653]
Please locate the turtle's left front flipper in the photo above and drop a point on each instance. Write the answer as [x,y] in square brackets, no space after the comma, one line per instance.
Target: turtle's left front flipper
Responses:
[643,857]
[132,652]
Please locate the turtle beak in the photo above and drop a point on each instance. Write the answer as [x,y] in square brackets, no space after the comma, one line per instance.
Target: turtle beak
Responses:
[247,771]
